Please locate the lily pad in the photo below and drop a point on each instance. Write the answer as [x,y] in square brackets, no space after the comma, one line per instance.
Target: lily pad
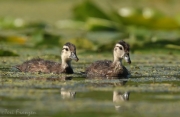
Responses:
[49,40]
[88,9]
[97,24]
[7,53]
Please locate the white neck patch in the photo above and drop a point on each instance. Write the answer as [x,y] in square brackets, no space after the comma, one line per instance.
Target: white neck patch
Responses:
[121,54]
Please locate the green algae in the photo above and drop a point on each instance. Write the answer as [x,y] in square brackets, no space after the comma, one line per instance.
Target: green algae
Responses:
[155,70]
[154,87]
[7,53]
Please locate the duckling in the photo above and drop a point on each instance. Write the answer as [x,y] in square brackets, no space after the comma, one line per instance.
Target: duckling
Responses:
[44,66]
[115,68]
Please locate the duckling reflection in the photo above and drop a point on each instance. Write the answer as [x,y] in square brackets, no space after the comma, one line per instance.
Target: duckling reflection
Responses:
[119,97]
[67,94]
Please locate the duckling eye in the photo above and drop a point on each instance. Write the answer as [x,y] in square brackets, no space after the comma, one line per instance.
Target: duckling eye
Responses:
[65,49]
[120,48]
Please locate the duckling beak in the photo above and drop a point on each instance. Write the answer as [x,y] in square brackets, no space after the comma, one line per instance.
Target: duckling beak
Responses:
[74,56]
[127,58]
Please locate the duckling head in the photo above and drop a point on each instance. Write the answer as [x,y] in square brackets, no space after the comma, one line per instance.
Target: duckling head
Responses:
[69,52]
[121,50]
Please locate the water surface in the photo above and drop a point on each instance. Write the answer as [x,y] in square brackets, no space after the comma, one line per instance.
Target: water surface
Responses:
[154,88]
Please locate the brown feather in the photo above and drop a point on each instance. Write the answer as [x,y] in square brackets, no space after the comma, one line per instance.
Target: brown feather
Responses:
[43,66]
[105,68]
[108,68]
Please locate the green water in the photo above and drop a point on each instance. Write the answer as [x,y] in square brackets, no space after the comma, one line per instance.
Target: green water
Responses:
[154,88]
[154,85]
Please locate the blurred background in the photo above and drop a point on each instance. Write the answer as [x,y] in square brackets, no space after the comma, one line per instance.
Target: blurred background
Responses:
[92,25]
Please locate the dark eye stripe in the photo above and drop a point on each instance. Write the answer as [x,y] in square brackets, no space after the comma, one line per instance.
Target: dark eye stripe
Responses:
[119,47]
[65,49]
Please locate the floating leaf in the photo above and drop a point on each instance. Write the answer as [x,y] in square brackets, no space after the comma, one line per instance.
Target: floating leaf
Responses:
[164,23]
[7,53]
[14,39]
[171,46]
[9,22]
[96,24]
[88,9]
[70,24]
[17,39]
[144,17]
[82,43]
[49,40]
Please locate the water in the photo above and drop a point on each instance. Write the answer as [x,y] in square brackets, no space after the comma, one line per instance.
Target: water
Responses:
[154,89]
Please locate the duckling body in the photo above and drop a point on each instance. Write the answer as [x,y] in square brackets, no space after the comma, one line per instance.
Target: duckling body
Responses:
[115,68]
[45,66]
[106,68]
